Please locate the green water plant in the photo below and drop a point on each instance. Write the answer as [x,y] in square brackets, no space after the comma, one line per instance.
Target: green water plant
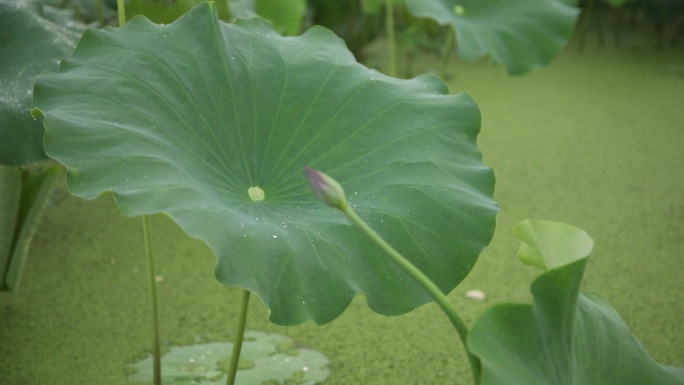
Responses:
[566,336]
[33,38]
[210,123]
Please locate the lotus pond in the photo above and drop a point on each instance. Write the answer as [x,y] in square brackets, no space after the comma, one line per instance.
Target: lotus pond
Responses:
[595,140]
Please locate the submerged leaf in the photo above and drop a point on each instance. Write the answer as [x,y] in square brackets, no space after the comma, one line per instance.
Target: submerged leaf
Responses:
[262,361]
[191,118]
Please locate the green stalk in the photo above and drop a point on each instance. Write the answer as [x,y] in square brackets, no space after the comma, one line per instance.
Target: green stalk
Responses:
[121,10]
[432,289]
[330,192]
[448,47]
[156,351]
[391,50]
[100,12]
[239,336]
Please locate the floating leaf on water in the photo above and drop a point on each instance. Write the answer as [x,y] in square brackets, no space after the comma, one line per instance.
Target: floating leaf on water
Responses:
[265,358]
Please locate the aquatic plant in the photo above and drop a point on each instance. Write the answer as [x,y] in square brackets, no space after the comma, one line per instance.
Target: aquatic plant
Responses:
[34,38]
[212,123]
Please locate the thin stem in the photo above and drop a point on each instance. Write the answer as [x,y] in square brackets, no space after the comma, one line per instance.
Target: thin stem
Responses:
[448,47]
[432,289]
[391,50]
[239,335]
[100,12]
[156,351]
[121,10]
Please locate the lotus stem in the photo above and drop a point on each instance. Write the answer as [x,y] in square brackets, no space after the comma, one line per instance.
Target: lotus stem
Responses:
[437,295]
[121,10]
[391,49]
[100,12]
[448,47]
[330,192]
[239,336]
[156,351]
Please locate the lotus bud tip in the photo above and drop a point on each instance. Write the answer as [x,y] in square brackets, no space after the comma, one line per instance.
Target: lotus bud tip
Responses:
[326,188]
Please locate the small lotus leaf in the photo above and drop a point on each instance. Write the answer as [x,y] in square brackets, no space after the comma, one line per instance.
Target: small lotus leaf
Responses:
[565,337]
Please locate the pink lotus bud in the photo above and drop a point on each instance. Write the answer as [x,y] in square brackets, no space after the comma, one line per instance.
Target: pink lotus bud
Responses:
[327,188]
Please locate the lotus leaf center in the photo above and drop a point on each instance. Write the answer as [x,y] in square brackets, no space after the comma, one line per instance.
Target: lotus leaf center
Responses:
[256,193]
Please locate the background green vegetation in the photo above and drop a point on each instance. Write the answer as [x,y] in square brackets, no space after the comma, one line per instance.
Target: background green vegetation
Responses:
[593,140]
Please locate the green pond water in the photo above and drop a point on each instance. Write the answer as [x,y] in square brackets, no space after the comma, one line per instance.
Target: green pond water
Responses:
[595,140]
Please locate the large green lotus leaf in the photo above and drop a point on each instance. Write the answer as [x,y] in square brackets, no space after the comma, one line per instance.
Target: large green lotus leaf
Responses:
[565,337]
[521,35]
[33,37]
[187,118]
